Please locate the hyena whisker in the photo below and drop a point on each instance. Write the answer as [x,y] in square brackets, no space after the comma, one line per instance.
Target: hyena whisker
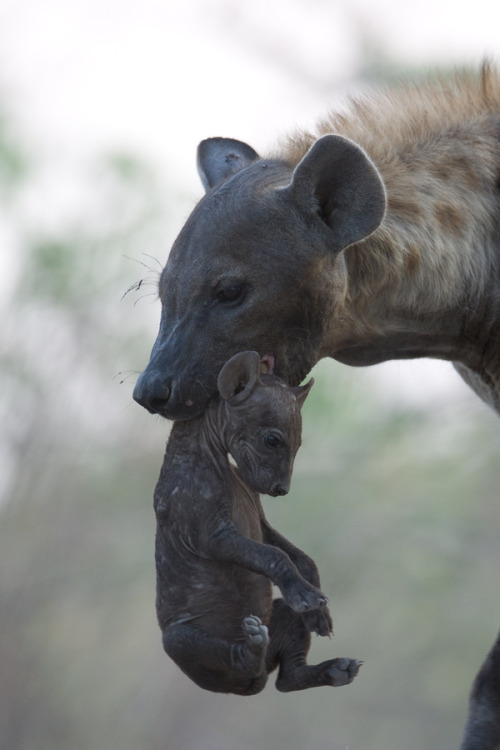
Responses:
[138,285]
[132,288]
[151,280]
[158,263]
[143,296]
[148,267]
[125,375]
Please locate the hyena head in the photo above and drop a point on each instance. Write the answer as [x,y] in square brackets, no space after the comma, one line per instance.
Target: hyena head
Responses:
[260,418]
[253,267]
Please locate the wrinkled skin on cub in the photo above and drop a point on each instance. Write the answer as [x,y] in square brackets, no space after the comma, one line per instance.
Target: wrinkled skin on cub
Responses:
[216,554]
[253,266]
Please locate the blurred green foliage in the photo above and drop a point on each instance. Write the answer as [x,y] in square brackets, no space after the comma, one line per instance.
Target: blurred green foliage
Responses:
[398,505]
[13,162]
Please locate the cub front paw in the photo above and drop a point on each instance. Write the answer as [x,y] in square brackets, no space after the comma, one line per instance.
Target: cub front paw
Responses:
[319,621]
[303,598]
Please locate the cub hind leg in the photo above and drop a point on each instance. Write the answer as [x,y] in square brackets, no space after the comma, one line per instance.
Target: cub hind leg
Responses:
[289,646]
[217,664]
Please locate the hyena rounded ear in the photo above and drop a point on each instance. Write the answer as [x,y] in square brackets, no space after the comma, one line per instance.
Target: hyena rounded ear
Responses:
[238,377]
[220,158]
[302,391]
[338,182]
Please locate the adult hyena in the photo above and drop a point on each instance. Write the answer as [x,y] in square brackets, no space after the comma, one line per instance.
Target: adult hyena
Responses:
[375,237]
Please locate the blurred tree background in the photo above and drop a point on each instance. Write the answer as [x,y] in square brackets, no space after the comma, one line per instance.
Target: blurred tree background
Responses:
[397,500]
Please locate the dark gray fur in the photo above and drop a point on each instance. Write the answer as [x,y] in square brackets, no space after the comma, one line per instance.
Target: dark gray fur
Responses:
[482,731]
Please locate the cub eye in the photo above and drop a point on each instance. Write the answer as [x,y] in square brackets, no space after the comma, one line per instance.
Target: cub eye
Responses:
[272,441]
[230,293]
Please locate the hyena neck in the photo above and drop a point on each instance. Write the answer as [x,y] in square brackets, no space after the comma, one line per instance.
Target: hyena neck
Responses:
[441,307]
[426,282]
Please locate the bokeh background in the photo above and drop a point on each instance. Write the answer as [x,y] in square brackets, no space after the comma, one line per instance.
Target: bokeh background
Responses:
[102,104]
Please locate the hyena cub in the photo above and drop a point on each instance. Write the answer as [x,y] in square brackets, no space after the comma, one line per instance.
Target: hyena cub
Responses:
[216,555]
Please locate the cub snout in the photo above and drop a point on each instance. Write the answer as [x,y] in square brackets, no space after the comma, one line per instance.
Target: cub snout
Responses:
[279,489]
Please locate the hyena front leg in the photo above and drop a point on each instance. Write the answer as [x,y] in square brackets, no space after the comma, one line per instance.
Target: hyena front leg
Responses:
[482,731]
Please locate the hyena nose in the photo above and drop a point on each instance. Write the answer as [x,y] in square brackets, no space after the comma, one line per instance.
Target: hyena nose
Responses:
[151,391]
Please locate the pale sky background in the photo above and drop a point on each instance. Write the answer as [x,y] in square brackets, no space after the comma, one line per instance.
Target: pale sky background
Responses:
[156,76]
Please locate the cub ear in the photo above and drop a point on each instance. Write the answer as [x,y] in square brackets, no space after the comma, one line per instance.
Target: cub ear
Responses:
[302,391]
[220,158]
[239,376]
[338,183]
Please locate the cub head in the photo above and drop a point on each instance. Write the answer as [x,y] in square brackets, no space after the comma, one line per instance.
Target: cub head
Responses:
[262,422]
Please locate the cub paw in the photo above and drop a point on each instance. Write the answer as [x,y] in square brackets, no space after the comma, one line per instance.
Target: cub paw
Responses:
[318,621]
[343,671]
[303,598]
[256,633]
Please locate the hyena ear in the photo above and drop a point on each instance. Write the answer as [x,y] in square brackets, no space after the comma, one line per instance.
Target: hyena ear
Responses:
[338,182]
[239,376]
[220,158]
[302,392]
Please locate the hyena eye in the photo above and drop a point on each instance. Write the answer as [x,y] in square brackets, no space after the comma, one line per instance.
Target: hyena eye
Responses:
[272,441]
[230,293]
